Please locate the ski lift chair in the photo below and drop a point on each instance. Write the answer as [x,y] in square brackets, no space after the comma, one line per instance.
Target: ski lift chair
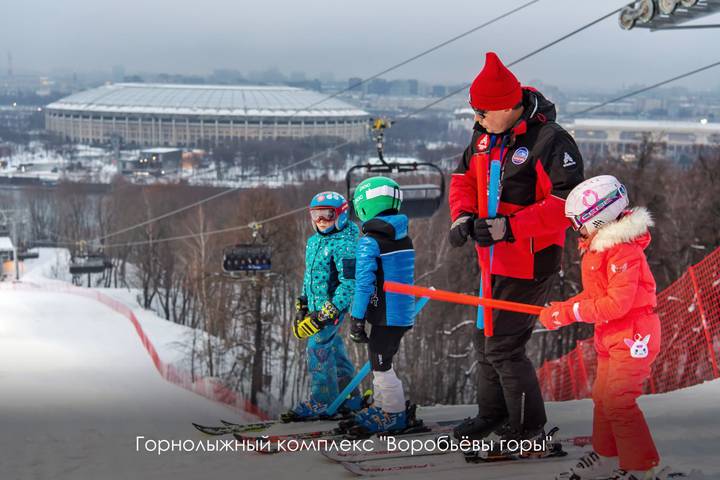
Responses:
[92,263]
[246,258]
[25,254]
[420,199]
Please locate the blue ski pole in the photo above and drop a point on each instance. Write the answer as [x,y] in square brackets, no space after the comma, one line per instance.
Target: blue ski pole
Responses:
[364,371]
[493,199]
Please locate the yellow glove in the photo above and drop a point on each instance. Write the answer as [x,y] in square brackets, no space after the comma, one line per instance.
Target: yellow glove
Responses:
[308,326]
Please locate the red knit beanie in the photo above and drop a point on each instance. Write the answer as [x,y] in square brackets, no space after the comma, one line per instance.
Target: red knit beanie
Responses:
[495,87]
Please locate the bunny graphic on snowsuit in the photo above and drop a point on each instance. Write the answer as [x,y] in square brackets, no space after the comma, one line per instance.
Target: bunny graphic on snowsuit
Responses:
[619,298]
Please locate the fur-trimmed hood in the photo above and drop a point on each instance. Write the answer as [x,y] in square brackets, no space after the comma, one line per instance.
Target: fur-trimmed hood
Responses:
[632,227]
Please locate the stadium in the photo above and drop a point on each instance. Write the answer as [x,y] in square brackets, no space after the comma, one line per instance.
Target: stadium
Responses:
[200,115]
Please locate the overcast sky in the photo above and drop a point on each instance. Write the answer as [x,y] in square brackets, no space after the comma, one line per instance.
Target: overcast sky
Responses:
[348,38]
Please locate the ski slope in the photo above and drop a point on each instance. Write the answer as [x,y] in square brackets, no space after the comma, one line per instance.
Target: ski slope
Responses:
[77,387]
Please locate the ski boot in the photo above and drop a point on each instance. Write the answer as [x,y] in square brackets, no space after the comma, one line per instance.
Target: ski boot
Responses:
[305,411]
[374,420]
[590,466]
[478,428]
[354,405]
[377,420]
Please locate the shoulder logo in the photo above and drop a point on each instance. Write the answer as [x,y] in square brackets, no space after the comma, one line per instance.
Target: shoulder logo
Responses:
[568,161]
[520,155]
[482,144]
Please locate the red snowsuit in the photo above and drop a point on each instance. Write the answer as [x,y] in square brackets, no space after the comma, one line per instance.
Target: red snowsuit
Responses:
[619,298]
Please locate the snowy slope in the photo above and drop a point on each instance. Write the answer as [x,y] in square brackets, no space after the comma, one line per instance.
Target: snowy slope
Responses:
[77,387]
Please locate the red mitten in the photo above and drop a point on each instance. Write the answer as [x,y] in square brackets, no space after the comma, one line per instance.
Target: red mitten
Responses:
[557,315]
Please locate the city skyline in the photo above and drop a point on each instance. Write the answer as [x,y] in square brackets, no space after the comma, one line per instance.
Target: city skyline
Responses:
[343,41]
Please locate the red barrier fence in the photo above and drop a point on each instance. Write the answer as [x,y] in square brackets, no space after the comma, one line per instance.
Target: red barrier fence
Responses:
[689,312]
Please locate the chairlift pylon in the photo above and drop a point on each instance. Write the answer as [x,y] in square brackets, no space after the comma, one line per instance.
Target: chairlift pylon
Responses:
[419,200]
[247,257]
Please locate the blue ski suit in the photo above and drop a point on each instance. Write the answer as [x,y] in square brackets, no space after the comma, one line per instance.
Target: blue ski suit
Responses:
[327,256]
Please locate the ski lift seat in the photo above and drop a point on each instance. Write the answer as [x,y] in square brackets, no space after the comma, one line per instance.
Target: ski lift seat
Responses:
[28,254]
[88,264]
[246,258]
[420,200]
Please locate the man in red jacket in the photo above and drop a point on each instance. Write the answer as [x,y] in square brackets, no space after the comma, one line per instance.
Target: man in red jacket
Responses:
[540,166]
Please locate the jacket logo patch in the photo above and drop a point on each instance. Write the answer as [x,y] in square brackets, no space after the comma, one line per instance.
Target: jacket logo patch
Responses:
[568,161]
[615,269]
[638,348]
[482,144]
[520,155]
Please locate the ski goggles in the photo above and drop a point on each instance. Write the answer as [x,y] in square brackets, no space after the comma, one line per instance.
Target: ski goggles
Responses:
[579,220]
[327,214]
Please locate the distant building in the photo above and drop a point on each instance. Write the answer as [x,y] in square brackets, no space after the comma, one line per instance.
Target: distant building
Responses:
[19,118]
[439,90]
[378,86]
[196,115]
[463,120]
[680,141]
[355,84]
[598,137]
[617,108]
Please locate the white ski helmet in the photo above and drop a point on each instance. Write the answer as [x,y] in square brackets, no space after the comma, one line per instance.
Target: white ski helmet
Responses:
[596,202]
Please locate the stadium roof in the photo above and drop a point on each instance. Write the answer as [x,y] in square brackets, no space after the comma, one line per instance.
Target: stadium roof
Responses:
[142,98]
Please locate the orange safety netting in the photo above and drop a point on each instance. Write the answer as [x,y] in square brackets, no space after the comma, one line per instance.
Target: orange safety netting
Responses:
[689,312]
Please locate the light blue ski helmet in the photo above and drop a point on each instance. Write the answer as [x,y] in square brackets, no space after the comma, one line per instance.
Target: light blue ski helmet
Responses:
[334,201]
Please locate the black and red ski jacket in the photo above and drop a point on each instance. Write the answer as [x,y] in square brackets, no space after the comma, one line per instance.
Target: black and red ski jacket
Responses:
[541,164]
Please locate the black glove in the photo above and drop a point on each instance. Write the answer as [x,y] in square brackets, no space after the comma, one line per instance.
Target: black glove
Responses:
[301,308]
[460,230]
[357,330]
[489,231]
[328,314]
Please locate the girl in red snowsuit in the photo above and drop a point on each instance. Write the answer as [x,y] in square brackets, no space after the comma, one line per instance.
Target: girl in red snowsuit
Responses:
[618,297]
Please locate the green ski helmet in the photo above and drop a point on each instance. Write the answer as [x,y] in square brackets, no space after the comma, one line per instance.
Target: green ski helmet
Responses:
[375,195]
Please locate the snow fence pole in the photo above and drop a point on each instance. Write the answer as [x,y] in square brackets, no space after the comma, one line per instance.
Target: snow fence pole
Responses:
[365,370]
[453,297]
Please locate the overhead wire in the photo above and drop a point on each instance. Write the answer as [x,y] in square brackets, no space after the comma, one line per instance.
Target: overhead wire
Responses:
[403,117]
[336,147]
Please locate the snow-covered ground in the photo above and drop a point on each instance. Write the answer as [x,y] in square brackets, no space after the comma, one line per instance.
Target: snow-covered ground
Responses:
[77,387]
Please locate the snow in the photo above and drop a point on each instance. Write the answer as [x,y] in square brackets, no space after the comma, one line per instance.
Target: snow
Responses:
[77,387]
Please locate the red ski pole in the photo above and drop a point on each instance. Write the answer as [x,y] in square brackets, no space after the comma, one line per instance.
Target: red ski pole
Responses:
[453,297]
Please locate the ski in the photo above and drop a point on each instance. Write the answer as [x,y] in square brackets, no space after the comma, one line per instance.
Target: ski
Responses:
[381,452]
[231,427]
[665,473]
[525,465]
[228,427]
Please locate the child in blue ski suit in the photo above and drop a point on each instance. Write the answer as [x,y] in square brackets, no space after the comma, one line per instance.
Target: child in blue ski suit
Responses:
[384,252]
[328,287]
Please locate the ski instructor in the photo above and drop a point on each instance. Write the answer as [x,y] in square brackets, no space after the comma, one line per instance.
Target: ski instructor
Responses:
[540,166]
